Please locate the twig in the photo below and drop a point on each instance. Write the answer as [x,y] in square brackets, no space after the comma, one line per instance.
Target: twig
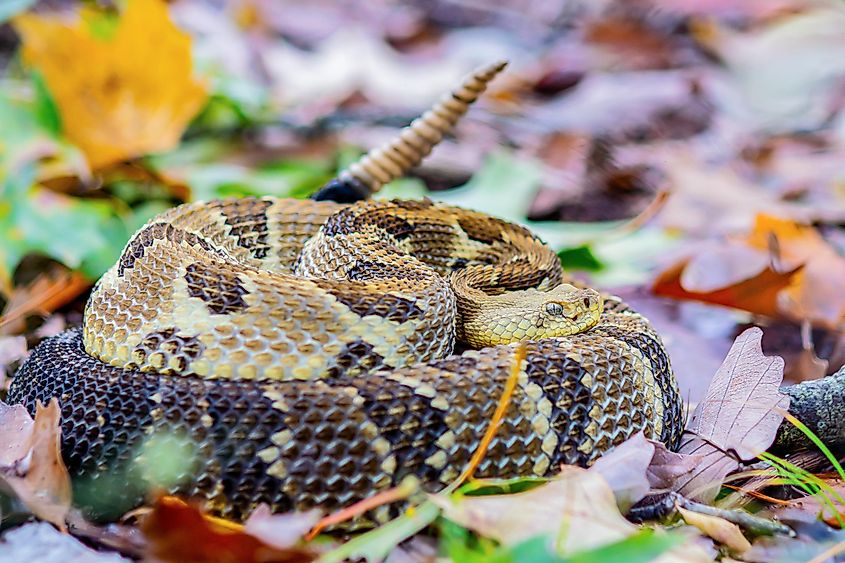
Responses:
[406,488]
[667,504]
[754,524]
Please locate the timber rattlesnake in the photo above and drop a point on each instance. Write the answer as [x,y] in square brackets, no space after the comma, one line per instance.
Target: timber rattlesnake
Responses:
[299,351]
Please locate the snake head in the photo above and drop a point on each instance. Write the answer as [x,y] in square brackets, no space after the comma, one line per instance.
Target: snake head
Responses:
[567,309]
[529,314]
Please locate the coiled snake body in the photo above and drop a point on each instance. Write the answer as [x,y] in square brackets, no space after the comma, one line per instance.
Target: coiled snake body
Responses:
[297,353]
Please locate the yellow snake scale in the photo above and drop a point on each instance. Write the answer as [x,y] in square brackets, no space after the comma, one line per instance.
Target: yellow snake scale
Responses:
[302,353]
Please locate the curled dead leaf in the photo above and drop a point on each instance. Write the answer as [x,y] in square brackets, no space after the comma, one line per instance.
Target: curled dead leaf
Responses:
[668,467]
[32,468]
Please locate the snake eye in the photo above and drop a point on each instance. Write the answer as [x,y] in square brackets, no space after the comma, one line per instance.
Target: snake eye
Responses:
[587,302]
[554,309]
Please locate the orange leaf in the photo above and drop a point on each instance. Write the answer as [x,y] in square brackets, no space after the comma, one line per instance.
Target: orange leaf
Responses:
[758,294]
[780,269]
[179,532]
[119,97]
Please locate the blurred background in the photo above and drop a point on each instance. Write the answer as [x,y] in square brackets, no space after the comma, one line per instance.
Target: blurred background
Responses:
[685,155]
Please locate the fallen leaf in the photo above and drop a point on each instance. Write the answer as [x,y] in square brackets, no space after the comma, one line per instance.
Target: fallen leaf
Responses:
[622,105]
[381,73]
[180,532]
[813,539]
[39,541]
[39,477]
[577,509]
[578,505]
[668,467]
[119,97]
[624,469]
[710,198]
[280,531]
[791,95]
[47,292]
[15,433]
[724,532]
[780,269]
[738,418]
[758,294]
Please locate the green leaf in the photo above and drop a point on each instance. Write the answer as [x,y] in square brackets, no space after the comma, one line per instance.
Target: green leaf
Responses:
[642,547]
[83,234]
[44,106]
[198,164]
[26,137]
[35,219]
[9,8]
[462,546]
[403,188]
[375,545]
[483,487]
[580,258]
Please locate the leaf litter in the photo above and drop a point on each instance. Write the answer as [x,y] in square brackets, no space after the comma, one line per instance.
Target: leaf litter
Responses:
[667,111]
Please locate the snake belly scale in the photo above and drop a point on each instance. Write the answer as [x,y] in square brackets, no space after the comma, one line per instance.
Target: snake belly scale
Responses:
[303,350]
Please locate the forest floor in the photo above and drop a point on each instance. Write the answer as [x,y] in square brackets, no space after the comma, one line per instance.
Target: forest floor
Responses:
[686,156]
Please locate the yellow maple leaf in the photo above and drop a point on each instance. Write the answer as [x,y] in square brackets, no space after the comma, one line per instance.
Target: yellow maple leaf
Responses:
[122,96]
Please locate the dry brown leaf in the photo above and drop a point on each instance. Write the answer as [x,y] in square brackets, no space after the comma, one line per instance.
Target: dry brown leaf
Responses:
[179,532]
[38,477]
[49,290]
[738,418]
[724,532]
[667,467]
[15,433]
[624,469]
[119,97]
[577,509]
